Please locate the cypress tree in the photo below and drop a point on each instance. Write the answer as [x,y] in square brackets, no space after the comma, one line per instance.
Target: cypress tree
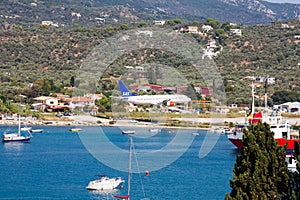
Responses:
[260,171]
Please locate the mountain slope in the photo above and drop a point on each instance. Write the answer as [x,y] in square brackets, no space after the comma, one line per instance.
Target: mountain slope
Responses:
[89,12]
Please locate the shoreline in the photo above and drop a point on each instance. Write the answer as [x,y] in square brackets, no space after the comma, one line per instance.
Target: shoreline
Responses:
[87,120]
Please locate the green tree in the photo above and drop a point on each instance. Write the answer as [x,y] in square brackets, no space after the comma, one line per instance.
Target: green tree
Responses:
[260,171]
[104,102]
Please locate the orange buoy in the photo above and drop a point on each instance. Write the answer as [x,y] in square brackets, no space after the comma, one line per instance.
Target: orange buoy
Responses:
[147,172]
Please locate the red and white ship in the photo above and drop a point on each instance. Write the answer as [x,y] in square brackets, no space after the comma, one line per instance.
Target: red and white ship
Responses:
[280,127]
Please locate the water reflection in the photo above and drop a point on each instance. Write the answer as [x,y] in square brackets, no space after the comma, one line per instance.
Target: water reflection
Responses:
[14,147]
[103,194]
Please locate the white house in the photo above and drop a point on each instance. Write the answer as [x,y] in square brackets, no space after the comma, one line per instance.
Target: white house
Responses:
[159,22]
[236,31]
[207,28]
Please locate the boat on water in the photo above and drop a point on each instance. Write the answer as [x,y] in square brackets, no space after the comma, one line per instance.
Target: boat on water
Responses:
[75,130]
[154,130]
[26,128]
[105,183]
[128,132]
[36,130]
[16,137]
[280,127]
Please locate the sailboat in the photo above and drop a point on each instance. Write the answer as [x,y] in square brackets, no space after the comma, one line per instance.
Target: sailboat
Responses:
[129,172]
[16,137]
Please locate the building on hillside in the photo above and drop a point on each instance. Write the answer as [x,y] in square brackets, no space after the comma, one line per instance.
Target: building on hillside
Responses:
[79,102]
[193,29]
[236,31]
[46,100]
[207,28]
[204,91]
[94,96]
[262,79]
[49,104]
[291,107]
[159,22]
[61,97]
[286,26]
[49,23]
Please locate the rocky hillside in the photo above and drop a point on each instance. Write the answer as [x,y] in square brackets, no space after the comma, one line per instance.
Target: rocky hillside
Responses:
[91,12]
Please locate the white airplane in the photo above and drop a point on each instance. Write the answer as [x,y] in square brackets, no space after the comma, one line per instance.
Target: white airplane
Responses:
[169,99]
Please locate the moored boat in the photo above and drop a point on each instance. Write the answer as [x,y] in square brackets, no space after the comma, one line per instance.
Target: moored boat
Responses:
[105,183]
[280,127]
[154,130]
[36,130]
[16,137]
[128,132]
[75,129]
[26,128]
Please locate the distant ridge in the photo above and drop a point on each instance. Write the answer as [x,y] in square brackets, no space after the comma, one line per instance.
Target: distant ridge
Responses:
[91,12]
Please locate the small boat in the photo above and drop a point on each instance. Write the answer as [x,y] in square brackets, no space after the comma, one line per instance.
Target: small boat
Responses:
[75,130]
[128,132]
[16,137]
[154,130]
[195,134]
[36,130]
[105,183]
[26,128]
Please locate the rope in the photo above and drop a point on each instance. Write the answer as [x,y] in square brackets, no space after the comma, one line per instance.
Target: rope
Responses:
[137,164]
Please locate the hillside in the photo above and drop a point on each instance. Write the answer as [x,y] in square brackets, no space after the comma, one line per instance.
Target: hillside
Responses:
[38,61]
[29,13]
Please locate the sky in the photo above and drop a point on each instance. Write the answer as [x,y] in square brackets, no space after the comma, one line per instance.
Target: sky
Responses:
[284,1]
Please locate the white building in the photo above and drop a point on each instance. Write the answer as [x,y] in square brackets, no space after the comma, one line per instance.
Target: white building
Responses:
[159,22]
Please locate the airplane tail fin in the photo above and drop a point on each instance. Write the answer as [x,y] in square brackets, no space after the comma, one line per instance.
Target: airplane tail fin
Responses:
[124,90]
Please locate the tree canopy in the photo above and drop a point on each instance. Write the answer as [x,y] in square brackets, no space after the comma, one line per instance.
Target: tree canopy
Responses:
[260,171]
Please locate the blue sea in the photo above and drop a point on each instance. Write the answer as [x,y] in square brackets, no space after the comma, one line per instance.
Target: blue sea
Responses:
[58,164]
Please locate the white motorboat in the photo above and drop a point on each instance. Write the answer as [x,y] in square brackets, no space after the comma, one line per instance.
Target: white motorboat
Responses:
[154,130]
[36,130]
[105,183]
[26,128]
[128,132]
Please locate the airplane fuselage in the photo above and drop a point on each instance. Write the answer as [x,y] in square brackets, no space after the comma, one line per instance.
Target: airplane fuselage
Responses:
[158,99]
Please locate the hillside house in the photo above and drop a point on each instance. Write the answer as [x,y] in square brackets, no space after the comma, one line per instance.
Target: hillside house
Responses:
[46,103]
[159,22]
[236,31]
[94,96]
[207,28]
[46,100]
[270,80]
[193,29]
[79,102]
[49,23]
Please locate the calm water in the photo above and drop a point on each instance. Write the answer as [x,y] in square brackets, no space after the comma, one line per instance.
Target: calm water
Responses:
[56,165]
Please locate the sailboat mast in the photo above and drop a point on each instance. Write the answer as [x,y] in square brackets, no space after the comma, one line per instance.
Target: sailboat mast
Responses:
[129,165]
[19,127]
[252,107]
[266,92]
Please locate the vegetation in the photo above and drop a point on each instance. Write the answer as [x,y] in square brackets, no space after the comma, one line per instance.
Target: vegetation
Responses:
[25,13]
[43,60]
[260,171]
